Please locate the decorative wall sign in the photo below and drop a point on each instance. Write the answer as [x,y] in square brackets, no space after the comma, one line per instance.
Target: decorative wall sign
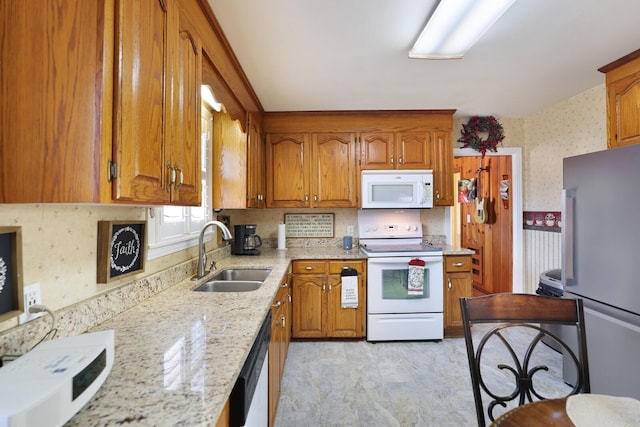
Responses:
[121,249]
[11,294]
[309,225]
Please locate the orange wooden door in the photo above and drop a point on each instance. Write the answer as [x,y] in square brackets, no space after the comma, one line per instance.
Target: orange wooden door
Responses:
[492,265]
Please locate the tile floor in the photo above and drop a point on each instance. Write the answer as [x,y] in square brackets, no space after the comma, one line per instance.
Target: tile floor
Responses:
[357,383]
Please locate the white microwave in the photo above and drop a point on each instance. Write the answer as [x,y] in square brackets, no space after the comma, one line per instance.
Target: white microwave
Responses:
[404,189]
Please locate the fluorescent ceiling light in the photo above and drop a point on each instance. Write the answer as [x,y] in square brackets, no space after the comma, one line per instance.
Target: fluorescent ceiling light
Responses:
[455,26]
[208,98]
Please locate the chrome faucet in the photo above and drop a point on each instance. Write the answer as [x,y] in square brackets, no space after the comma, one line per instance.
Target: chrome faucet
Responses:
[202,253]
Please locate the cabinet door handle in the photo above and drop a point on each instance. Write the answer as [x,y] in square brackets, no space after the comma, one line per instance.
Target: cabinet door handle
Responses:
[285,285]
[315,197]
[283,319]
[324,286]
[449,284]
[437,195]
[329,287]
[306,197]
[392,160]
[172,176]
[277,304]
[458,264]
[180,176]
[400,160]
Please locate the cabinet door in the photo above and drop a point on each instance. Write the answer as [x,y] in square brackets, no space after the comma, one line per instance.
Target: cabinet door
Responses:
[55,100]
[341,322]
[140,107]
[288,171]
[376,150]
[275,354]
[413,150]
[458,285]
[442,169]
[255,164]
[184,149]
[308,307]
[334,170]
[624,111]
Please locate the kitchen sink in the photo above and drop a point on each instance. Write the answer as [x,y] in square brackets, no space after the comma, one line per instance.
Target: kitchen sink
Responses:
[229,286]
[243,274]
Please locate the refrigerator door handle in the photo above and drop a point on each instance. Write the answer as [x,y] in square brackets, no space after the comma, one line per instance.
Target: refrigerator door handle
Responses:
[568,203]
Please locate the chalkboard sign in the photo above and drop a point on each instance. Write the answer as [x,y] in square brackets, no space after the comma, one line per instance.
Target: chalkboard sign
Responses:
[121,249]
[11,298]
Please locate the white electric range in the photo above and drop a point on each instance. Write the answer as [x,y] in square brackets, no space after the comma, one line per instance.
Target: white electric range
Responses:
[404,277]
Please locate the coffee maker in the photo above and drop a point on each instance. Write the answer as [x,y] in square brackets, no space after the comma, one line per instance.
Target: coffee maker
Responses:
[246,240]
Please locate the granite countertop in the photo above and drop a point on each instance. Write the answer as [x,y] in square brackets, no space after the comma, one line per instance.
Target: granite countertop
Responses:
[179,353]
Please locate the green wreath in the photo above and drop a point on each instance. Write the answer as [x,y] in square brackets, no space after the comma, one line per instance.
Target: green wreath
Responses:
[475,131]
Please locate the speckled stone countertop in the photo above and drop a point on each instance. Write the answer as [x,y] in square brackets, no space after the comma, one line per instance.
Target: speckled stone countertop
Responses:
[179,353]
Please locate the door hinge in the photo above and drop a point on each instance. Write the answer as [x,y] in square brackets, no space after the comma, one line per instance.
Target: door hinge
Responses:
[112,171]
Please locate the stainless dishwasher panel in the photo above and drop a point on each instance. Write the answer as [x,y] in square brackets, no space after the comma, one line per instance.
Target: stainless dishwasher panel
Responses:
[251,387]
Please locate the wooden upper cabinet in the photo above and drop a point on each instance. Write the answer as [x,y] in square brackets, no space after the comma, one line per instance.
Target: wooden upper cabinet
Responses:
[157,104]
[443,192]
[413,150]
[255,163]
[142,109]
[288,170]
[623,100]
[185,147]
[395,150]
[334,170]
[100,102]
[377,150]
[311,170]
[56,65]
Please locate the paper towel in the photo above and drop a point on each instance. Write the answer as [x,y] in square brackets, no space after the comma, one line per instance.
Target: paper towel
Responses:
[282,237]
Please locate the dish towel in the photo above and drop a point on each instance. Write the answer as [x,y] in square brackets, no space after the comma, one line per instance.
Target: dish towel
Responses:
[349,288]
[416,277]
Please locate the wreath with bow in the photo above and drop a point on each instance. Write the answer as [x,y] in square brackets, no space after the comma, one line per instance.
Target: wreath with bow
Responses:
[482,134]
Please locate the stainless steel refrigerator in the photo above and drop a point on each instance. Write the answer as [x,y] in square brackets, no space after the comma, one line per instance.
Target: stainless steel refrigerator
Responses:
[601,262]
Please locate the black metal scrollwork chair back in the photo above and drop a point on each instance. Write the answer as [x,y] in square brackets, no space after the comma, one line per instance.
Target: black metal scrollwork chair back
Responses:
[508,368]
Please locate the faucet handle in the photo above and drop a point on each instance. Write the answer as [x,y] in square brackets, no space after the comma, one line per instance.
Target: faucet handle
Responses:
[213,266]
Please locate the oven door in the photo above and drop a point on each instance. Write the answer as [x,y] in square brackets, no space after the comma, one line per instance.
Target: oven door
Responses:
[388,288]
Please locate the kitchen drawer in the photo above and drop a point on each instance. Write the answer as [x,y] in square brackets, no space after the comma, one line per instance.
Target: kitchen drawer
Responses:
[453,263]
[309,267]
[335,267]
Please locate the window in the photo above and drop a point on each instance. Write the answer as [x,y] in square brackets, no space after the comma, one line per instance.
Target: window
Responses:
[175,228]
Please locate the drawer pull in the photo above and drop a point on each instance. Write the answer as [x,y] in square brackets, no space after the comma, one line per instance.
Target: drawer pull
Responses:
[458,264]
[276,305]
[308,267]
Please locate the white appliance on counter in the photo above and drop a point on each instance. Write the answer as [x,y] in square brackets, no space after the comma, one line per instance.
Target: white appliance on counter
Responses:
[600,235]
[391,239]
[51,383]
[404,189]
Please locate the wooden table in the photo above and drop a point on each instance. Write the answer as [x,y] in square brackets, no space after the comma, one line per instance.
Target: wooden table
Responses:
[541,413]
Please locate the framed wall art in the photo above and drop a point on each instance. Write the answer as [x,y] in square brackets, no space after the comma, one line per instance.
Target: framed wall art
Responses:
[11,293]
[121,249]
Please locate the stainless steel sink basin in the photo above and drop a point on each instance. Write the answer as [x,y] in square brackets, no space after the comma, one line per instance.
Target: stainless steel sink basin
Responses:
[243,274]
[229,286]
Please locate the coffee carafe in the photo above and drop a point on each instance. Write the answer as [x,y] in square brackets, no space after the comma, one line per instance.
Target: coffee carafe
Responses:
[246,241]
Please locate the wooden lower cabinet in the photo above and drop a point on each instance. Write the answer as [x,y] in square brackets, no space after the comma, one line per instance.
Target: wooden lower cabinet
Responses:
[223,420]
[317,308]
[279,345]
[457,284]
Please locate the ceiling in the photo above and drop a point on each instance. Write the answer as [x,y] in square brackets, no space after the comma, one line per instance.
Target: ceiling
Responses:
[308,55]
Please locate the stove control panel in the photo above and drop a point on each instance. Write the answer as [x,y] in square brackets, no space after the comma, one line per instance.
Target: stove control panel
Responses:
[389,223]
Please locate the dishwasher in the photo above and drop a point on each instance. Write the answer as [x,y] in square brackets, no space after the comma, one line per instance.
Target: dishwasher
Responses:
[249,400]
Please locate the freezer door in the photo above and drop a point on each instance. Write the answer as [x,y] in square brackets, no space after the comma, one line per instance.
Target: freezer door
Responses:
[613,346]
[601,231]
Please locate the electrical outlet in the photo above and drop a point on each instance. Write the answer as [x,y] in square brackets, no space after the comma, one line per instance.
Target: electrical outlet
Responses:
[32,297]
[349,230]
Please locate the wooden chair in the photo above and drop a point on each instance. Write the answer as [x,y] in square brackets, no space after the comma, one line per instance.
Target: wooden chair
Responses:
[523,312]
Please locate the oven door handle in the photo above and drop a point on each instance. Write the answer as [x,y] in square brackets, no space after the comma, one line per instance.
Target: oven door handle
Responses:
[402,260]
